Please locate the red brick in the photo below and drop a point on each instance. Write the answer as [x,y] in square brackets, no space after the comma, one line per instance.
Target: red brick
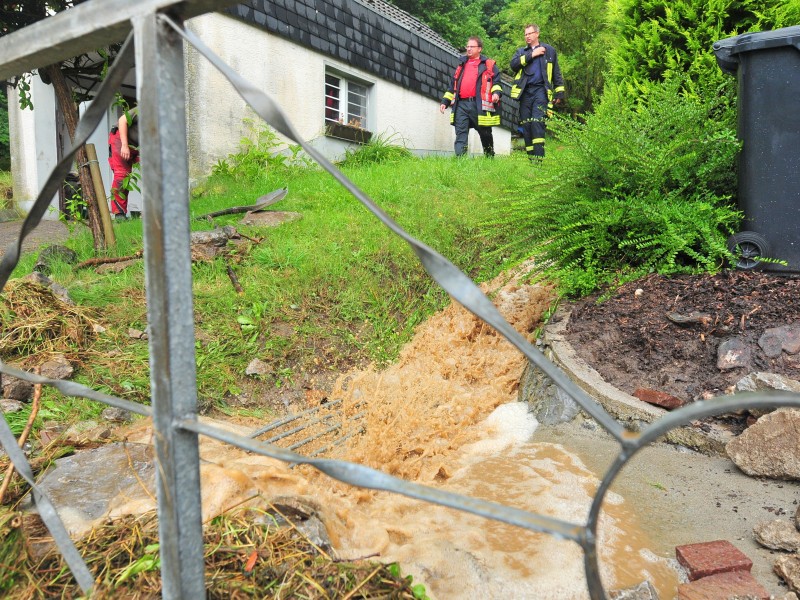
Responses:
[736,584]
[709,558]
[661,399]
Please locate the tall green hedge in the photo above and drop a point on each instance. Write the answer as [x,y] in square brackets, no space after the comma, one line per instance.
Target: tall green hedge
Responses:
[655,39]
[5,149]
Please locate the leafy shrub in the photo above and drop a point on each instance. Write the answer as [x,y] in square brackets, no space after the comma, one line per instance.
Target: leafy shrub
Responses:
[643,185]
[656,39]
[5,149]
[380,149]
[259,152]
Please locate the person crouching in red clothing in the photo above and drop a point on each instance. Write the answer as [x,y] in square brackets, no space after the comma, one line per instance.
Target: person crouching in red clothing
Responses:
[123,153]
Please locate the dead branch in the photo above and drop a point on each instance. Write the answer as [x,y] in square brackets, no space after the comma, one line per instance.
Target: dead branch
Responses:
[107,261]
[234,280]
[37,394]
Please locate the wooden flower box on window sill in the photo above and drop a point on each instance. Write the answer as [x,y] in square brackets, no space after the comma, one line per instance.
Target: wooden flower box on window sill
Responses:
[347,132]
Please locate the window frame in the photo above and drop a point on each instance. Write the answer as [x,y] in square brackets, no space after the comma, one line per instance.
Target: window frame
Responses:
[343,127]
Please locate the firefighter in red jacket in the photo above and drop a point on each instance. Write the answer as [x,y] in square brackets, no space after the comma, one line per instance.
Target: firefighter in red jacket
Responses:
[538,85]
[473,96]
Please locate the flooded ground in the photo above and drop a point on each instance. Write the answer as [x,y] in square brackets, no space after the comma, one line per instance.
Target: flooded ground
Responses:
[446,415]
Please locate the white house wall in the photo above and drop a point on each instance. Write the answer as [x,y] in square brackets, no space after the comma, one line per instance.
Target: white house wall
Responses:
[33,145]
[294,77]
[34,152]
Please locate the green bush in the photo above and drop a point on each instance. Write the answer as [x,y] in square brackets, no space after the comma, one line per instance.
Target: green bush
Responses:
[5,149]
[657,39]
[643,185]
[259,154]
[380,149]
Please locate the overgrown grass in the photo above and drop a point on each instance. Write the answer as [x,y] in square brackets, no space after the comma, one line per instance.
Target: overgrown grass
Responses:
[6,187]
[322,294]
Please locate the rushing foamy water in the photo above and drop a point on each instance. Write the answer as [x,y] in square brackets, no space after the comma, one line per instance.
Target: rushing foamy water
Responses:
[446,415]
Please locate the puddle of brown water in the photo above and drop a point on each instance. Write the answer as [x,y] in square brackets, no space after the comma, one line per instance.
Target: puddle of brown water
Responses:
[445,415]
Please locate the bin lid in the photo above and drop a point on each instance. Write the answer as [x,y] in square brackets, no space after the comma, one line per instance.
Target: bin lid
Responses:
[727,50]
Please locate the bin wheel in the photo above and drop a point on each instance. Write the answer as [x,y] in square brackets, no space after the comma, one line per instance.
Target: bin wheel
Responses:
[748,247]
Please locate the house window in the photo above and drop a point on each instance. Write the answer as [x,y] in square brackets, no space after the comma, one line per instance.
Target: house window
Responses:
[345,101]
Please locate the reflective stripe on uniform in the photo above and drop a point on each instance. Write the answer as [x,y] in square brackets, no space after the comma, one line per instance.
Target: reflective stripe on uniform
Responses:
[538,140]
[488,120]
[449,96]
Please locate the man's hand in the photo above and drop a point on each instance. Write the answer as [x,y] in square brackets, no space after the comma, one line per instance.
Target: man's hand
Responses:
[538,51]
[495,97]
[442,108]
[125,152]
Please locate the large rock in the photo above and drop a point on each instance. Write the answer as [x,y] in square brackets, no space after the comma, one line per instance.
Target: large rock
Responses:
[57,367]
[788,568]
[16,389]
[51,254]
[759,382]
[733,353]
[770,447]
[83,486]
[780,534]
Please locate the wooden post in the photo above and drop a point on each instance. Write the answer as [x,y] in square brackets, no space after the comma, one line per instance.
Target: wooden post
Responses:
[100,194]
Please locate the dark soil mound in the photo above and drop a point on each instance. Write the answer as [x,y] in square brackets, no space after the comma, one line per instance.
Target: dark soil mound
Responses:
[632,343]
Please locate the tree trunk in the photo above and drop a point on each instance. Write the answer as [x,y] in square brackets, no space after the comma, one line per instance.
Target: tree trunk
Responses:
[70,112]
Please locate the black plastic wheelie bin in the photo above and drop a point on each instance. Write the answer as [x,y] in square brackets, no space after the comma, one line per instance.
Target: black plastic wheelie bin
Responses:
[767,66]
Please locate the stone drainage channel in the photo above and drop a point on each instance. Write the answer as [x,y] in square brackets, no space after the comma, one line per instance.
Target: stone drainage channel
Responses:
[689,490]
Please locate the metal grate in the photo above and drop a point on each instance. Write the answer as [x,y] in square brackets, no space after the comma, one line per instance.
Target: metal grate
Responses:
[159,41]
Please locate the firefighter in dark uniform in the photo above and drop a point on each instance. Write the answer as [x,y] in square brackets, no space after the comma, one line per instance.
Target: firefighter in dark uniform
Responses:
[538,85]
[473,95]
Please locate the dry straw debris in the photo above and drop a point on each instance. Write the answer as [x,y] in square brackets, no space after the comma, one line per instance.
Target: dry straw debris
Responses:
[246,555]
[33,319]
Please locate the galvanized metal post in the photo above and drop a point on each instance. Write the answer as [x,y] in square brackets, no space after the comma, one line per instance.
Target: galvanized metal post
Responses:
[162,133]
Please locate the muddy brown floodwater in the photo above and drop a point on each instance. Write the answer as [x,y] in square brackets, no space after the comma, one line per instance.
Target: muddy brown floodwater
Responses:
[445,415]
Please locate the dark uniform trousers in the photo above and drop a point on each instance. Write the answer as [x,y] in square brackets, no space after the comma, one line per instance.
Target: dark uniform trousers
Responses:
[466,116]
[532,115]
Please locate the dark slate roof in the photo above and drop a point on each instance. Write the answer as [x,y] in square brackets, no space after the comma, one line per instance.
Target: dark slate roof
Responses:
[372,35]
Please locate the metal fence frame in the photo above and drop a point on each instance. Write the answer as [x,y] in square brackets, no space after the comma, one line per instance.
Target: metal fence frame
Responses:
[157,28]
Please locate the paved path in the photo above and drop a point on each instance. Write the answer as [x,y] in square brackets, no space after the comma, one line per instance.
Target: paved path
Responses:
[47,232]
